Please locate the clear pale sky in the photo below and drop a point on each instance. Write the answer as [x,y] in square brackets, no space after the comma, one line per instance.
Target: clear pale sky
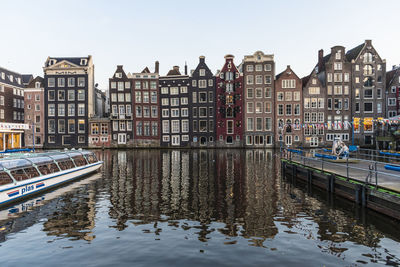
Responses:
[136,33]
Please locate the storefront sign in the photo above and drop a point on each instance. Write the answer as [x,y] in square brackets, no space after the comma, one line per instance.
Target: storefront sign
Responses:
[13,126]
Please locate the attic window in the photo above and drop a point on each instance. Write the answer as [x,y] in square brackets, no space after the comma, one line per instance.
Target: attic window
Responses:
[11,78]
[83,61]
[19,80]
[338,54]
[314,81]
[118,75]
[37,85]
[52,62]
[3,75]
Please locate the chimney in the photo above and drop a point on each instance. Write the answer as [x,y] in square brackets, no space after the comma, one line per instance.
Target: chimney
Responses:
[320,58]
[176,68]
[157,67]
[186,69]
[394,67]
[202,59]
[368,42]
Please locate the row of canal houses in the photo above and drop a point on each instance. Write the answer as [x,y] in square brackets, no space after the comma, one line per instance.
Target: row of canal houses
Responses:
[248,105]
[244,104]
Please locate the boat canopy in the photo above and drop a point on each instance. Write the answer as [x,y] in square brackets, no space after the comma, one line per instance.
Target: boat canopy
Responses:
[27,160]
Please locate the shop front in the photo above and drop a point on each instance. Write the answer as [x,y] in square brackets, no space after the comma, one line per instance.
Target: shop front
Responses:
[12,135]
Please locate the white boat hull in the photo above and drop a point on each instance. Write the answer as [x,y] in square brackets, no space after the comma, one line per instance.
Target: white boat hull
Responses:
[13,192]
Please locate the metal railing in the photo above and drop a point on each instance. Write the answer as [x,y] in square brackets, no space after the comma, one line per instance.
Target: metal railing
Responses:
[362,170]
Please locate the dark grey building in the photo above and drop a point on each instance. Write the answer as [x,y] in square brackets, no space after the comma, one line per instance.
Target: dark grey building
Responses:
[368,94]
[202,105]
[314,95]
[393,92]
[69,101]
[334,70]
[121,108]
[174,94]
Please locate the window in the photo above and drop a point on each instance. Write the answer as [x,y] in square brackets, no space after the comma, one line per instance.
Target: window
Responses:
[368,57]
[338,103]
[267,79]
[154,111]
[368,93]
[267,67]
[139,128]
[321,103]
[259,93]
[288,109]
[280,96]
[280,109]
[337,90]
[391,101]
[259,108]
[337,66]
[288,96]
[338,77]
[175,126]
[153,97]
[259,79]
[164,101]
[138,97]
[267,92]
[51,82]
[165,113]
[184,112]
[329,103]
[202,126]
[175,112]
[81,95]
[320,117]
[250,79]
[268,124]
[61,82]
[81,81]
[71,95]
[61,95]
[313,90]
[71,82]
[229,128]
[368,107]
[202,97]
[61,126]
[61,109]
[165,126]
[194,83]
[145,97]
[52,126]
[338,54]
[202,83]
[184,89]
[210,82]
[250,124]
[81,126]
[250,68]
[267,107]
[357,109]
[329,77]
[202,112]
[258,67]
[51,109]
[250,107]
[71,109]
[71,126]
[250,93]
[297,109]
[81,109]
[174,101]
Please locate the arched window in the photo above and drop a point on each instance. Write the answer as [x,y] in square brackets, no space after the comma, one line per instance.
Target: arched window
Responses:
[296,124]
[289,126]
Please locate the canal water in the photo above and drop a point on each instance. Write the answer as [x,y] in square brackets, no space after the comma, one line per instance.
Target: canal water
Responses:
[193,208]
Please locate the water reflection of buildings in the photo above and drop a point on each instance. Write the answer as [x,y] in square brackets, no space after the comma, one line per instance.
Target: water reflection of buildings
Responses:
[260,195]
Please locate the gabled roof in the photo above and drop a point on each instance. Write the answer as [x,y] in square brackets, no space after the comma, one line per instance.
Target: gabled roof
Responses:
[353,53]
[10,77]
[146,70]
[32,83]
[287,68]
[390,75]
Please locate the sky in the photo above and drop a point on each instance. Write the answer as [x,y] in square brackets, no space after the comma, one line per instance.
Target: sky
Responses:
[137,33]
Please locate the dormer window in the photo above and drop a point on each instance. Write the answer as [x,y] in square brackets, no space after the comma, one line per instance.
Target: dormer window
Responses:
[19,80]
[3,75]
[11,78]
[52,62]
[83,61]
[118,75]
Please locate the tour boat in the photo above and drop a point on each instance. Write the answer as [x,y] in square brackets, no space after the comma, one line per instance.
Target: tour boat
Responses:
[26,174]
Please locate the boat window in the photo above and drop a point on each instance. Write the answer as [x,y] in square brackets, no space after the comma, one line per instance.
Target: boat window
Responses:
[44,169]
[91,158]
[5,178]
[66,164]
[31,172]
[79,161]
[19,174]
[41,160]
[48,168]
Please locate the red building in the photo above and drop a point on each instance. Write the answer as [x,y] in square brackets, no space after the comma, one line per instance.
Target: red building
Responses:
[229,98]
